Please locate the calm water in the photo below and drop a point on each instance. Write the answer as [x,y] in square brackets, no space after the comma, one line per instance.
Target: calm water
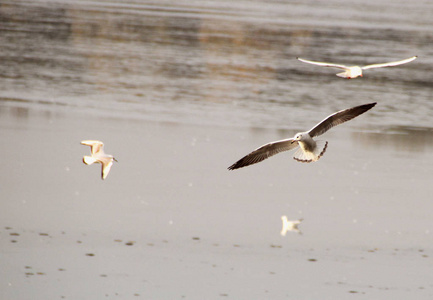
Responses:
[218,62]
[178,91]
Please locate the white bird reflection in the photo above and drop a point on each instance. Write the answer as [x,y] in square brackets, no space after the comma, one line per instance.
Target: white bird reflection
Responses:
[290,225]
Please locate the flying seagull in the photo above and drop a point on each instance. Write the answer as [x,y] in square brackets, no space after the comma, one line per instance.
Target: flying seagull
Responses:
[309,149]
[355,71]
[98,156]
[290,225]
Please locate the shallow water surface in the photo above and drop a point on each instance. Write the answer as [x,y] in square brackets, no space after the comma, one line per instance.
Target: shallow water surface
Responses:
[178,91]
[219,62]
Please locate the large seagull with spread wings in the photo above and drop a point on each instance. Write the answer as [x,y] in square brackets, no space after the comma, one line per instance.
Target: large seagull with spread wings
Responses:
[309,149]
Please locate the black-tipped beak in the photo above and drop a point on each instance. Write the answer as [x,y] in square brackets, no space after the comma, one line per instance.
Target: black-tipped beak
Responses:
[115,159]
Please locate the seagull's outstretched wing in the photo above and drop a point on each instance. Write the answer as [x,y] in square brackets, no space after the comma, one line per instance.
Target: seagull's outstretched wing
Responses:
[323,64]
[338,118]
[106,166]
[96,146]
[390,64]
[264,152]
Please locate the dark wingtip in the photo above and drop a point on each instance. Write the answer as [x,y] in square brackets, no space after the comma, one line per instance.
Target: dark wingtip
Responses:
[370,105]
[366,107]
[237,165]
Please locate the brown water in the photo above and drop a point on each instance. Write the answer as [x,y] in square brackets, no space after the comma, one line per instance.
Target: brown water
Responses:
[178,91]
[219,62]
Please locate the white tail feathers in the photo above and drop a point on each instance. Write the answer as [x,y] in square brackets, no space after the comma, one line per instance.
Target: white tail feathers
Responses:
[310,156]
[342,74]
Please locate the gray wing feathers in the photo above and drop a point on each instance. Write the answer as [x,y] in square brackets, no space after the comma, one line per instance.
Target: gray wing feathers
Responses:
[263,153]
[338,118]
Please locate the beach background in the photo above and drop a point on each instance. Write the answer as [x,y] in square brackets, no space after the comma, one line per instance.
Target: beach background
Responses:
[180,90]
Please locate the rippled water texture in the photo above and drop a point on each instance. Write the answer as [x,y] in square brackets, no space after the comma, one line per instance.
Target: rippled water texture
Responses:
[231,62]
[180,90]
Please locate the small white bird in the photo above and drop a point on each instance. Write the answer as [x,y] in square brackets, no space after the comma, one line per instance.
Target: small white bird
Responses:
[310,150]
[290,225]
[98,156]
[355,71]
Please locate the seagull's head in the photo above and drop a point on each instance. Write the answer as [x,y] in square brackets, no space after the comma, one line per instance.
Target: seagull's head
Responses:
[298,137]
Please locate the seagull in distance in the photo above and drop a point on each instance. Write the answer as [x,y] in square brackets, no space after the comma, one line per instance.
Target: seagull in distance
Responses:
[355,71]
[309,150]
[98,156]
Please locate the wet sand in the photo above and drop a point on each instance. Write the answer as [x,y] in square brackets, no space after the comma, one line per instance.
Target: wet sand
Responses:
[171,221]
[178,92]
